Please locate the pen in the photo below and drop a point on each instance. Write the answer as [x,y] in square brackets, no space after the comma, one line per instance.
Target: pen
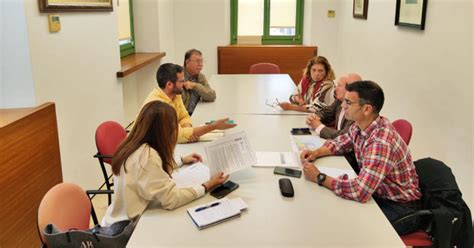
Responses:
[206,207]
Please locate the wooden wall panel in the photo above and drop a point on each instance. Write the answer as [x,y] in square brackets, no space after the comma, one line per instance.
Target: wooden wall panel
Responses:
[30,165]
[292,59]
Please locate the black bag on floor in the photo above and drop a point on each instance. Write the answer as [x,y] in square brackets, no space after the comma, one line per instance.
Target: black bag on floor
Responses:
[116,235]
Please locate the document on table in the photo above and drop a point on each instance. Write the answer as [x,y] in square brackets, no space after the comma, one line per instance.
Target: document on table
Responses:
[215,212]
[305,142]
[230,153]
[335,172]
[211,136]
[192,175]
[272,159]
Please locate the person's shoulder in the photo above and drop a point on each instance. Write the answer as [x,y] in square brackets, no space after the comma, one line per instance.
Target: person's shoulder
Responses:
[201,77]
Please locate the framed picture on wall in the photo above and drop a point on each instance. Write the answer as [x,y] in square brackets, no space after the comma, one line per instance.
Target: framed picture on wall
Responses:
[359,9]
[411,13]
[74,5]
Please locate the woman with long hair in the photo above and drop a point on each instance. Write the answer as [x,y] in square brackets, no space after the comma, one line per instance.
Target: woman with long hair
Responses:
[143,164]
[316,88]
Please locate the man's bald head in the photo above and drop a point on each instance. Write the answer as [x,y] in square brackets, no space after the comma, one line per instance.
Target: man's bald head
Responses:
[342,81]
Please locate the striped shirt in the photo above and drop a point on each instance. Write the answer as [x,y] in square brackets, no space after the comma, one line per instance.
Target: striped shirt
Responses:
[386,166]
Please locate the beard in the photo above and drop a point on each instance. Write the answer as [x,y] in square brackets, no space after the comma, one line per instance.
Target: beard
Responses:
[177,91]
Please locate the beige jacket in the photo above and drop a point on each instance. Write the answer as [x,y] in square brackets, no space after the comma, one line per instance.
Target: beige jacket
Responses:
[145,181]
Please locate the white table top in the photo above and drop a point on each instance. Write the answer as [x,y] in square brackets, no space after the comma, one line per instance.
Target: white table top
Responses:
[248,94]
[315,217]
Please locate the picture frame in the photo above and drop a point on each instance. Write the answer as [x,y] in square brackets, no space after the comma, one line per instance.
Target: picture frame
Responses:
[360,8]
[50,6]
[411,13]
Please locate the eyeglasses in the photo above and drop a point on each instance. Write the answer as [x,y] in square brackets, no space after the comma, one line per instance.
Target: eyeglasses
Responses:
[360,101]
[198,61]
[274,104]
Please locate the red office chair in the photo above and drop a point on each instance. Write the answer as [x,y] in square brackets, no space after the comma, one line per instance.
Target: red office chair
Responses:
[403,128]
[264,68]
[108,137]
[419,238]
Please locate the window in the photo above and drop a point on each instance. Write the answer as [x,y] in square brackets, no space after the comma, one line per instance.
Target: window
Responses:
[125,27]
[275,21]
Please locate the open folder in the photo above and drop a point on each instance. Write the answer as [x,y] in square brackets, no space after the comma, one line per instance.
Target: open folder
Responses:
[215,212]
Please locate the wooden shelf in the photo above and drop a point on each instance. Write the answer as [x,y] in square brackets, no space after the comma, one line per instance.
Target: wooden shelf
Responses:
[137,61]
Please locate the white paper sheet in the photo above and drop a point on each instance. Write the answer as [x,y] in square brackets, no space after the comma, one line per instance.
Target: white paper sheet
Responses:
[335,172]
[195,174]
[272,159]
[230,153]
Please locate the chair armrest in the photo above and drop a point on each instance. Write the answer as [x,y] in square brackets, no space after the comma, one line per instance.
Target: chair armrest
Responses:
[412,214]
[102,156]
[126,128]
[99,192]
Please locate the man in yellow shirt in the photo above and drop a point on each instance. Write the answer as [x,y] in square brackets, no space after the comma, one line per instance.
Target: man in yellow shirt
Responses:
[170,78]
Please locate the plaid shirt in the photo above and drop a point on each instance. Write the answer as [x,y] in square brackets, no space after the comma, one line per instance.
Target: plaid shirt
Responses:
[387,169]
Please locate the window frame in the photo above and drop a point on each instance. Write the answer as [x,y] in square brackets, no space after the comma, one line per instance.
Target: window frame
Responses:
[268,39]
[129,47]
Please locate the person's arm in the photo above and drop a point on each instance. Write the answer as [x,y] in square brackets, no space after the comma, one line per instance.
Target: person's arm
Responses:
[204,89]
[155,184]
[294,107]
[331,133]
[221,124]
[376,165]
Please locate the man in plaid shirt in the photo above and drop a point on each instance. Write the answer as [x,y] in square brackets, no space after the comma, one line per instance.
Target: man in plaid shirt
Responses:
[387,171]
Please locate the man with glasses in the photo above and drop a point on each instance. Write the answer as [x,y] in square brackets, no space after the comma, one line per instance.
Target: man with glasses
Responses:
[319,122]
[196,86]
[387,172]
[170,78]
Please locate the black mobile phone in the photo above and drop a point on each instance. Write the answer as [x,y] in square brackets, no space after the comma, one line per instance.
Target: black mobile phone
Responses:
[300,131]
[224,189]
[287,172]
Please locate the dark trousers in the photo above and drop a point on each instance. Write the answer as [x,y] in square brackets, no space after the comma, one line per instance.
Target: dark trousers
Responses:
[394,210]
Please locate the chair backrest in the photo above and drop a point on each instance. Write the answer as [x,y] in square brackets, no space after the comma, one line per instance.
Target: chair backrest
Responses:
[264,68]
[404,129]
[65,205]
[108,137]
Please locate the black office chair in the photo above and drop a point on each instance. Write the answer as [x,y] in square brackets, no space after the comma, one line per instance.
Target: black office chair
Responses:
[447,218]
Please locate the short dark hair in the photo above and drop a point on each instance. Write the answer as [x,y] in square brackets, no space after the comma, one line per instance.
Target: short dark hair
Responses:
[167,72]
[369,93]
[189,53]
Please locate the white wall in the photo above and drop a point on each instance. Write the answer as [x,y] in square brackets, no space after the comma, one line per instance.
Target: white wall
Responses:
[16,79]
[204,25]
[426,75]
[76,68]
[174,26]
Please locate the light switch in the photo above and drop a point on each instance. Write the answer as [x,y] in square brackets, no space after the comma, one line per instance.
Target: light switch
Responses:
[331,13]
[54,23]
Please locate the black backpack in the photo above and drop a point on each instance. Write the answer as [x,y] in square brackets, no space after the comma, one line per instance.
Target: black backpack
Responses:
[451,222]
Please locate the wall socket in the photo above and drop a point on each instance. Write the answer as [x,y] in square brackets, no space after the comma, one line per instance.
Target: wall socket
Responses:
[331,13]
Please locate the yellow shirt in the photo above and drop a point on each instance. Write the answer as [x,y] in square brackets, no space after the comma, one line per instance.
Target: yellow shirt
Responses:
[184,133]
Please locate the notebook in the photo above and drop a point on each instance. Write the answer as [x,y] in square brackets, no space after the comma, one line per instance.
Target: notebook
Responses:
[272,159]
[216,212]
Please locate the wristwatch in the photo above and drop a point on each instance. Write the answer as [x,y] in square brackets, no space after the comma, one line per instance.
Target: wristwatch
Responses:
[320,178]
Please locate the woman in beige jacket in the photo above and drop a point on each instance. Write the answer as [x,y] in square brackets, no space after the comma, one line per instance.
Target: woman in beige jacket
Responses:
[143,164]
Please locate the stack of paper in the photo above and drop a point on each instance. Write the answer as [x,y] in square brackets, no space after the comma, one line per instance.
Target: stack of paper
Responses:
[215,212]
[189,176]
[211,136]
[272,159]
[230,153]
